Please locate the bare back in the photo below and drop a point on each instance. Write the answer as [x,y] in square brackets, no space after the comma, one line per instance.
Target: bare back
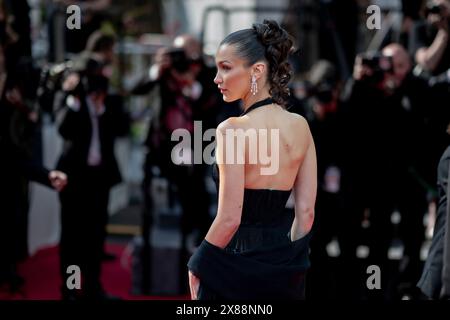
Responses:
[292,140]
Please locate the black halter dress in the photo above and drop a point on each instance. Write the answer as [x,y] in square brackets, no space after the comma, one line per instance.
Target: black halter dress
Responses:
[260,262]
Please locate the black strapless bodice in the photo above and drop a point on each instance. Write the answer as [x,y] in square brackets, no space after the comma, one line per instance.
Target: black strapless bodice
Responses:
[264,220]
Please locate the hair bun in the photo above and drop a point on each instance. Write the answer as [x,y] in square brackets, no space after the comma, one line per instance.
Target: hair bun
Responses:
[278,45]
[270,33]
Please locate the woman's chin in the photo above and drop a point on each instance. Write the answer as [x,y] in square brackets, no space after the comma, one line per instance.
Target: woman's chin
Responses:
[227,98]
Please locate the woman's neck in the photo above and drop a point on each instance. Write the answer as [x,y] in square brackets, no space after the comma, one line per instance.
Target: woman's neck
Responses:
[251,99]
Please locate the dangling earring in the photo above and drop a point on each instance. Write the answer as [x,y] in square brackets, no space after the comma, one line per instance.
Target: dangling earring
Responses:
[254,85]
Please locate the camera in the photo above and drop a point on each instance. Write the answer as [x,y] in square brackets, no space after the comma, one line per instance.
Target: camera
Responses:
[433,8]
[50,81]
[179,61]
[379,64]
[323,92]
[53,76]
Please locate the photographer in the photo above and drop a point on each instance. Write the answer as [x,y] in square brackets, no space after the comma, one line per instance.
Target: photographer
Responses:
[187,94]
[89,122]
[430,43]
[388,159]
[323,112]
[57,80]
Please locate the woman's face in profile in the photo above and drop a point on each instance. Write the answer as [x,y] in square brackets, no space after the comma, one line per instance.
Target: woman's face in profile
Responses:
[233,76]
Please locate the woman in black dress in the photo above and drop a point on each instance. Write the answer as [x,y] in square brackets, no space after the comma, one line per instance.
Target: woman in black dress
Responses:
[254,249]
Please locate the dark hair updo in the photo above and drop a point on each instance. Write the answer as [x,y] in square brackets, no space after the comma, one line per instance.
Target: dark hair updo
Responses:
[266,41]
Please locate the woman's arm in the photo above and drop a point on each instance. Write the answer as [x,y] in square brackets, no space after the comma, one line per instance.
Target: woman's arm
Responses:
[305,190]
[231,187]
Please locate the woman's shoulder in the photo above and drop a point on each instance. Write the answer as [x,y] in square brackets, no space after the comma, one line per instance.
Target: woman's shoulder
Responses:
[295,116]
[296,120]
[232,123]
[293,120]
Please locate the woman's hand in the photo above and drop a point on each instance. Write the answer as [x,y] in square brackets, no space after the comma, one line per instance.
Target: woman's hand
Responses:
[194,284]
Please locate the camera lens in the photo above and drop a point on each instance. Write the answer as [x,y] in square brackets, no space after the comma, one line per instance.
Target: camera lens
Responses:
[433,8]
[178,60]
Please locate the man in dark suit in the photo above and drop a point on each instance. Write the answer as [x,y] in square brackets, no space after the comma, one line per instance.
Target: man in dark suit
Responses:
[435,280]
[89,124]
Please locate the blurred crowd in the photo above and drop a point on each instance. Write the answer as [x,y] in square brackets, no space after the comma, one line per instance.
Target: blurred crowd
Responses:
[379,117]
[379,134]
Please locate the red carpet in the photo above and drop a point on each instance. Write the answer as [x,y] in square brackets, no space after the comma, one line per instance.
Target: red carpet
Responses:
[43,282]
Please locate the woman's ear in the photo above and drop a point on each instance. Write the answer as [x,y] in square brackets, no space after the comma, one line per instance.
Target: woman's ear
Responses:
[259,68]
